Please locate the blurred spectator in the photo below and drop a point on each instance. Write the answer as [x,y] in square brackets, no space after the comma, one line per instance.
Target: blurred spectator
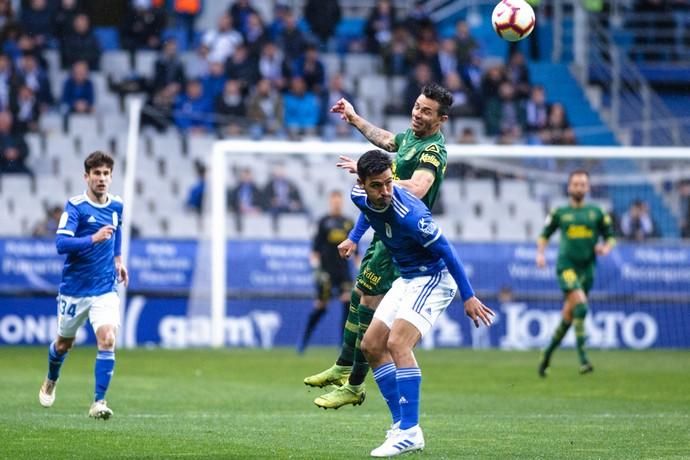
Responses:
[310,68]
[195,195]
[64,18]
[558,130]
[246,197]
[192,110]
[518,74]
[278,24]
[399,54]
[7,82]
[462,98]
[214,82]
[536,114]
[36,79]
[159,107]
[240,12]
[271,65]
[186,12]
[301,110]
[37,21]
[25,110]
[418,19]
[503,115]
[47,227]
[265,110]
[13,148]
[168,67]
[231,109]
[447,57]
[242,67]
[322,16]
[421,76]
[142,27]
[197,65]
[281,194]
[6,13]
[427,53]
[77,92]
[255,35]
[291,40]
[636,223]
[81,45]
[468,136]
[221,41]
[10,40]
[465,45]
[379,26]
[333,126]
[491,82]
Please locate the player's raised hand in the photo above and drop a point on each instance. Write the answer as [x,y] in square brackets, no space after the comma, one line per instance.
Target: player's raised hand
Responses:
[104,233]
[476,310]
[345,109]
[540,260]
[347,248]
[347,164]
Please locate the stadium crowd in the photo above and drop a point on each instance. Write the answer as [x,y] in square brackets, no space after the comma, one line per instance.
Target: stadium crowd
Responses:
[252,75]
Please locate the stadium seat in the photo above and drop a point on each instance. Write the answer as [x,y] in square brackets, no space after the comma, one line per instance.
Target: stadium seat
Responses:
[13,185]
[115,64]
[509,230]
[479,189]
[449,225]
[257,226]
[200,146]
[397,123]
[356,65]
[515,190]
[108,38]
[476,230]
[332,63]
[82,125]
[144,62]
[50,122]
[396,88]
[294,227]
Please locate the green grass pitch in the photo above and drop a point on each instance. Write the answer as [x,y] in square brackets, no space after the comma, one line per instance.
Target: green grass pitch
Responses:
[246,404]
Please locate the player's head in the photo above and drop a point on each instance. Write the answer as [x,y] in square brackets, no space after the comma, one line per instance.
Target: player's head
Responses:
[578,185]
[98,173]
[431,109]
[376,177]
[335,203]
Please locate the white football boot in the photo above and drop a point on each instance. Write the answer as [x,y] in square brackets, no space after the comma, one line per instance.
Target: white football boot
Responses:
[100,409]
[46,395]
[401,441]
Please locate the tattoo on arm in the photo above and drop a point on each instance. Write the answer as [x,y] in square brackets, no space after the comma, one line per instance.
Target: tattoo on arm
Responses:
[377,136]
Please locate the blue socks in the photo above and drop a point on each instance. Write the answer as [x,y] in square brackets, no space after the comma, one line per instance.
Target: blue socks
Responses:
[105,363]
[388,385]
[409,382]
[55,361]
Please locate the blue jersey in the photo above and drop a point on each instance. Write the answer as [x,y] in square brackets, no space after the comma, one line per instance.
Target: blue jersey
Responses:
[407,229]
[90,271]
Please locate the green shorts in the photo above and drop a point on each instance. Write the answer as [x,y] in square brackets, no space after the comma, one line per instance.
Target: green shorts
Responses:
[572,278]
[377,272]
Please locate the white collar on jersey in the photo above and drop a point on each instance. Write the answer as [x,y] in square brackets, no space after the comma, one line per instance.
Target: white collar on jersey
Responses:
[97,205]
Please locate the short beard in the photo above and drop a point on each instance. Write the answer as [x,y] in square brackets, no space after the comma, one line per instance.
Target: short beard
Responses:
[577,198]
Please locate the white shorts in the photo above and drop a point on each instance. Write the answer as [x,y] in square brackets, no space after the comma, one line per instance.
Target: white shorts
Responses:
[73,311]
[419,301]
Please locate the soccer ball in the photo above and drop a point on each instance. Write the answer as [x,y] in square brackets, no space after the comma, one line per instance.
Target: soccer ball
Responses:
[513,20]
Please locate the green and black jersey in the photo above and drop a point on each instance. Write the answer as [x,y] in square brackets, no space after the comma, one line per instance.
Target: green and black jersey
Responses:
[581,227]
[415,153]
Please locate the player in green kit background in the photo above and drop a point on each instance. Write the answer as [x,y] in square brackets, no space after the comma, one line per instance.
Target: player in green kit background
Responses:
[419,166]
[581,225]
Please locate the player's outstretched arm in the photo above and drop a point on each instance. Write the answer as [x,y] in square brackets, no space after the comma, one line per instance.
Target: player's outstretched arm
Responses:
[377,136]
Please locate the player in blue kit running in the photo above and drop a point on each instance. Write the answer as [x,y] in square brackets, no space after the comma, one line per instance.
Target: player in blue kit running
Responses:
[431,274]
[89,233]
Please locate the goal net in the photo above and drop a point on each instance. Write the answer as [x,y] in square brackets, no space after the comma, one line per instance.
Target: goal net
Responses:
[255,283]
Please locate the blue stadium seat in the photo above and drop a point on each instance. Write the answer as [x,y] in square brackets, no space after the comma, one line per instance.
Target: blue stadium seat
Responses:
[108,37]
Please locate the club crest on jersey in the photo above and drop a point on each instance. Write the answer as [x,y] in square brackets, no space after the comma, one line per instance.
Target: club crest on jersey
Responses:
[427,227]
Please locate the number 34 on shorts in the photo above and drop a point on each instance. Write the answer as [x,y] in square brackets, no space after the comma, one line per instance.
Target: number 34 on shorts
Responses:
[73,312]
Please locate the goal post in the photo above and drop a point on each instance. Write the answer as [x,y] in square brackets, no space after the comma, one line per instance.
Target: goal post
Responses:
[624,166]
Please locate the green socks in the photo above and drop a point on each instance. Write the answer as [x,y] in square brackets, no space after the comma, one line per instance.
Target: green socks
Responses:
[350,333]
[580,337]
[361,366]
[556,339]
